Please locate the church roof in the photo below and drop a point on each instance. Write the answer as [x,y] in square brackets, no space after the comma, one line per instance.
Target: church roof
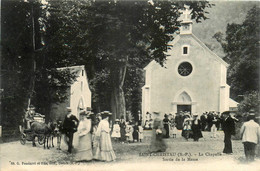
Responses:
[73,70]
[178,37]
[210,51]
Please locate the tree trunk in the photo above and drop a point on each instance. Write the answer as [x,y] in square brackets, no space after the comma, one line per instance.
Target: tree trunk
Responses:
[32,80]
[117,95]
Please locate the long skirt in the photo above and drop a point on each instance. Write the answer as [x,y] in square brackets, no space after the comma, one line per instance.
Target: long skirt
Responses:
[135,135]
[186,134]
[84,149]
[157,142]
[228,144]
[130,138]
[196,133]
[104,150]
[122,132]
[167,129]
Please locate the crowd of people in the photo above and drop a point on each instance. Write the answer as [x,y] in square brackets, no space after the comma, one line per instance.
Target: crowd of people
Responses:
[127,132]
[191,125]
[95,131]
[94,141]
[192,128]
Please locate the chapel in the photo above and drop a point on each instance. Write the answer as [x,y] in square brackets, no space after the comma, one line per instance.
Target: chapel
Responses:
[193,78]
[79,95]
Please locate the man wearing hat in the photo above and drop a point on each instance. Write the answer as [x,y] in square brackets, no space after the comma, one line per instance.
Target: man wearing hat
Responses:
[29,116]
[70,125]
[228,127]
[250,132]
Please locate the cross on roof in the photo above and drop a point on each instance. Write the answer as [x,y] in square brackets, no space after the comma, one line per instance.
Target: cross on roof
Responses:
[186,13]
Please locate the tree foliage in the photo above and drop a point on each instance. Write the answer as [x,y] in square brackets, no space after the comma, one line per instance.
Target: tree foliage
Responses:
[113,39]
[22,44]
[241,45]
[250,101]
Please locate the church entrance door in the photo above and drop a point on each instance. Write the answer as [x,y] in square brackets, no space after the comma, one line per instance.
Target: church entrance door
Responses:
[183,108]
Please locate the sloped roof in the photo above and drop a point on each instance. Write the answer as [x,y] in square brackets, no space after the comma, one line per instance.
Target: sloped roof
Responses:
[74,69]
[177,38]
[232,103]
[210,51]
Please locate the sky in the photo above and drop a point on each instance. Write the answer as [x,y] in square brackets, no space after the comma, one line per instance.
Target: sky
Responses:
[220,15]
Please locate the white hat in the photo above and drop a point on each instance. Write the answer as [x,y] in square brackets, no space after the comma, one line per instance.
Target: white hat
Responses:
[69,109]
[195,114]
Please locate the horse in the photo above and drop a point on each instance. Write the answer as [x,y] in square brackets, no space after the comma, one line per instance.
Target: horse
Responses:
[57,132]
[42,128]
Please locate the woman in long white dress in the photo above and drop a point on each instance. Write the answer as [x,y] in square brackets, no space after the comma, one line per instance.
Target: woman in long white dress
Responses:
[104,150]
[84,148]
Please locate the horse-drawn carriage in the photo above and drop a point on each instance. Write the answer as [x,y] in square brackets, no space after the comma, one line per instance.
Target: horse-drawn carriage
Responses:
[30,134]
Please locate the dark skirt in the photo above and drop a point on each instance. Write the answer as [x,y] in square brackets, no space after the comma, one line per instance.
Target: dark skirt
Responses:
[167,131]
[196,132]
[122,132]
[135,135]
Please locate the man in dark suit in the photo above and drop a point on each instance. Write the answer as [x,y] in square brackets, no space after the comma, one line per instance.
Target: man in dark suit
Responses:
[228,127]
[70,125]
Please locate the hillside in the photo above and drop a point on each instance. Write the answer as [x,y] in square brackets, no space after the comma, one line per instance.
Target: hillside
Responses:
[220,15]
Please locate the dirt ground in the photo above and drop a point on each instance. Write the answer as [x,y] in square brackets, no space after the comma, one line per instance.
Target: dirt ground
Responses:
[180,155]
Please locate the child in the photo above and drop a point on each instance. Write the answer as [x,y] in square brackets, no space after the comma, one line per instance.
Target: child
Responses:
[140,133]
[127,131]
[174,130]
[116,131]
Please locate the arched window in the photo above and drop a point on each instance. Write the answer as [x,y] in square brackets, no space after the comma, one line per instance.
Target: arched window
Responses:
[184,98]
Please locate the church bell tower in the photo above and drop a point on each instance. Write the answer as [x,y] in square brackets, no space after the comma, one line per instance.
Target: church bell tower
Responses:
[186,23]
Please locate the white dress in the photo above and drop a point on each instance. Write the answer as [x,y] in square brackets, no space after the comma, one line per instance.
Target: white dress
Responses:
[140,132]
[116,131]
[84,147]
[103,146]
[130,132]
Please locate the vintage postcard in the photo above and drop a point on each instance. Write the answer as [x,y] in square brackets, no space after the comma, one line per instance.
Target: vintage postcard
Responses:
[129,85]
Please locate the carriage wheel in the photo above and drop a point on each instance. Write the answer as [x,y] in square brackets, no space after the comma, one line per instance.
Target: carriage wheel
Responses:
[23,139]
[40,139]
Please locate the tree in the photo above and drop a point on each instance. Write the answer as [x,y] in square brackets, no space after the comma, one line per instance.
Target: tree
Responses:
[26,71]
[241,45]
[250,101]
[114,36]
[113,39]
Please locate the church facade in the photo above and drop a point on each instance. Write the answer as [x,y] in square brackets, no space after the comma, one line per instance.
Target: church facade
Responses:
[193,78]
[79,95]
